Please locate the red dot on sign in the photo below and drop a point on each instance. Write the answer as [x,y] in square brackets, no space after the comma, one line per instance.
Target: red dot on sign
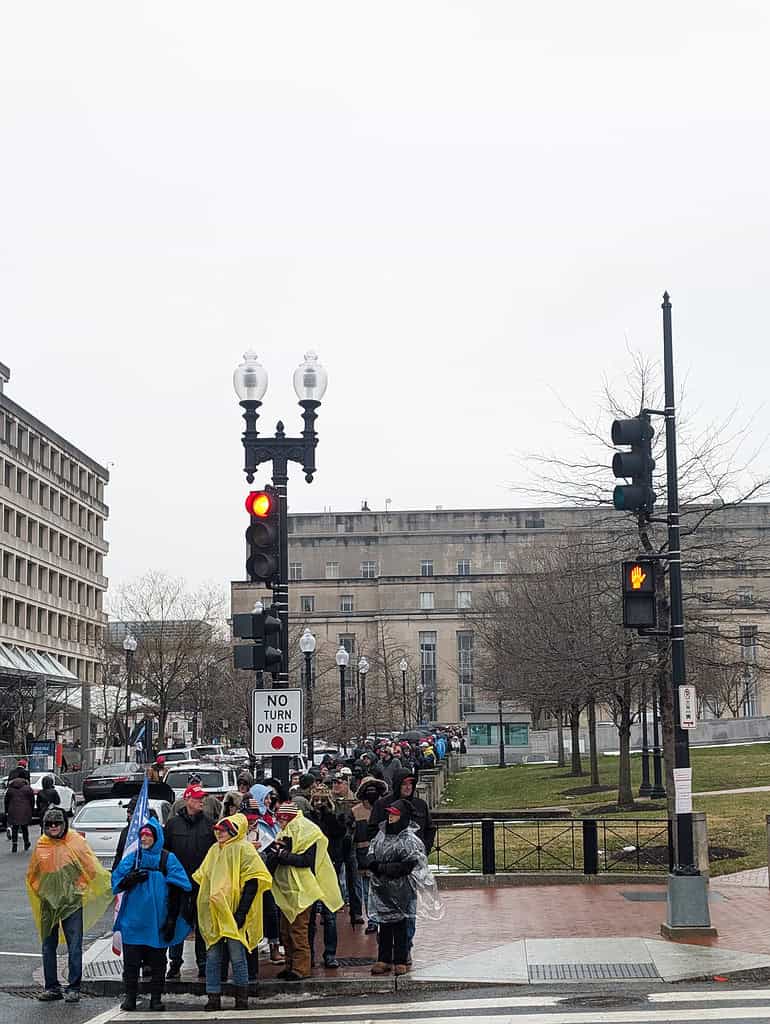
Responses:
[276,742]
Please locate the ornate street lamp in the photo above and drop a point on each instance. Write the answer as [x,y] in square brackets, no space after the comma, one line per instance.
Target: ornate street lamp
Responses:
[307,647]
[129,646]
[342,658]
[363,668]
[403,665]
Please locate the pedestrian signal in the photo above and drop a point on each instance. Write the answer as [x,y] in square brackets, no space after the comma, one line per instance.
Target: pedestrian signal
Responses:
[639,607]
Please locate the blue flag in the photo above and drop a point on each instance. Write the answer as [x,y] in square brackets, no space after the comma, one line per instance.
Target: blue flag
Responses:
[138,818]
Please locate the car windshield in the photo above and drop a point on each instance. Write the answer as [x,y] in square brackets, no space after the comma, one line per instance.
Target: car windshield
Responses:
[209,779]
[109,770]
[112,813]
[206,751]
[177,755]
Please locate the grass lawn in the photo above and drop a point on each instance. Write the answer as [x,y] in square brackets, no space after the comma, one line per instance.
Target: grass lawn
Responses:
[736,822]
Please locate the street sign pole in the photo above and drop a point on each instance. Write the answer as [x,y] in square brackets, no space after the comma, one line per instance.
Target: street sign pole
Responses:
[688,908]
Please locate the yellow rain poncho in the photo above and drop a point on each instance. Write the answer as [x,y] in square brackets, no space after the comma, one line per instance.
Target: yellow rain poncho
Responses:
[63,876]
[221,877]
[295,889]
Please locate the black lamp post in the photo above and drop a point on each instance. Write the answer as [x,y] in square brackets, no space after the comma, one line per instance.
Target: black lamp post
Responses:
[307,647]
[342,658]
[363,668]
[645,789]
[420,689]
[403,665]
[250,383]
[129,646]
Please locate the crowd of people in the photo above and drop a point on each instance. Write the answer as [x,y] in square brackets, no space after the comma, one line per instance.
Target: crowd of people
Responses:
[266,863]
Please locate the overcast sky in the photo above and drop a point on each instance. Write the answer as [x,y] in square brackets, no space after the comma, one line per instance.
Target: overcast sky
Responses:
[469,209]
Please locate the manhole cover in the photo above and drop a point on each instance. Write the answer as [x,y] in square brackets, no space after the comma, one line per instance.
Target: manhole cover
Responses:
[603,1002]
[590,972]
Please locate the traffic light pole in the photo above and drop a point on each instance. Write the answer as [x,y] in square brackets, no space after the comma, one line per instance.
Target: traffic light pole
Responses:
[280,450]
[687,906]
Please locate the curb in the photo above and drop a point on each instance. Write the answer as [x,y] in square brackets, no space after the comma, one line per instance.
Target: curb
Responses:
[511,879]
[318,987]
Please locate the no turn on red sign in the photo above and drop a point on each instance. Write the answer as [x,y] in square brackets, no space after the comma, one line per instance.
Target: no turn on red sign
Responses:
[276,721]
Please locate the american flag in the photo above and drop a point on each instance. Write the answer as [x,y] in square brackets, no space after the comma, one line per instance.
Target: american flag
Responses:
[138,818]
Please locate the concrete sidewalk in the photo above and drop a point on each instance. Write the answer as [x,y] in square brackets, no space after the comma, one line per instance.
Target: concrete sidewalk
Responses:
[530,934]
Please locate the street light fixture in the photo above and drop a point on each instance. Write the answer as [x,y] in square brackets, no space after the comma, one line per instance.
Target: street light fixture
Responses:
[343,659]
[129,646]
[363,668]
[403,665]
[307,647]
[250,382]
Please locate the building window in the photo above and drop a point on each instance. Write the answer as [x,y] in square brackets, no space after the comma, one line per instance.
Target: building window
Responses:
[295,571]
[346,603]
[428,675]
[465,699]
[748,640]
[369,570]
[426,567]
[500,565]
[463,599]
[427,601]
[307,603]
[745,596]
[536,523]
[464,567]
[332,570]
[515,734]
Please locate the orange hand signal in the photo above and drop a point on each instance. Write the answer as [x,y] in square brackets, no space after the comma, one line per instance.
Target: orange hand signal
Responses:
[638,576]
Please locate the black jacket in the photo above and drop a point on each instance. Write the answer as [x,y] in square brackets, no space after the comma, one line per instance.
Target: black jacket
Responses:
[189,839]
[426,830]
[47,797]
[335,829]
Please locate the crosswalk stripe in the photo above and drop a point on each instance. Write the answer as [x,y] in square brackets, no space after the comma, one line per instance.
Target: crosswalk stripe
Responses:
[648,1016]
[755,995]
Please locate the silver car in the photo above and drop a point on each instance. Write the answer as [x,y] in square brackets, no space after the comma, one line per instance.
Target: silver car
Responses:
[100,822]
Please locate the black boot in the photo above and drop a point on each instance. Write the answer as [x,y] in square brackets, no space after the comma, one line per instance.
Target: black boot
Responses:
[129,1000]
[156,1002]
[241,997]
[214,1002]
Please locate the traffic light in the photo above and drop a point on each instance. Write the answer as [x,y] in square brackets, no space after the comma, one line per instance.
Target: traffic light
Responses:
[636,465]
[640,610]
[263,627]
[263,537]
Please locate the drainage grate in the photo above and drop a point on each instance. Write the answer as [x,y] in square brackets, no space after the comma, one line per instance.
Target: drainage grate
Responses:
[99,970]
[356,961]
[604,1002]
[590,972]
[25,992]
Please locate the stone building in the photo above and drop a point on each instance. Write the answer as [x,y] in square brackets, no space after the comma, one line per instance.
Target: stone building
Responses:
[396,585]
[52,552]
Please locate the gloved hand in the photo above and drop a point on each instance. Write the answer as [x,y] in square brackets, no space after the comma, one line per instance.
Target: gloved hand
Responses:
[374,867]
[132,879]
[282,854]
[240,918]
[167,929]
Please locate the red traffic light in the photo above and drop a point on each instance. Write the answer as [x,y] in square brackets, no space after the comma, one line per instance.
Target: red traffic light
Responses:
[259,504]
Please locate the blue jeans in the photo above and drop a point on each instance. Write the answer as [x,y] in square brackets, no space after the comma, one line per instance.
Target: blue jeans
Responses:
[364,880]
[72,927]
[214,965]
[330,931]
[411,928]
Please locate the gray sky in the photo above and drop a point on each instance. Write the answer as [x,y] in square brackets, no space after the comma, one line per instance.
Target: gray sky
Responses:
[465,207]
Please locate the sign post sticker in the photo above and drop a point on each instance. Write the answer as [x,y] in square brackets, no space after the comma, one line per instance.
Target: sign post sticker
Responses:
[688,707]
[276,721]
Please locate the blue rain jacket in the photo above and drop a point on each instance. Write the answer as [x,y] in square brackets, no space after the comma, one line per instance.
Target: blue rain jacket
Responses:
[143,909]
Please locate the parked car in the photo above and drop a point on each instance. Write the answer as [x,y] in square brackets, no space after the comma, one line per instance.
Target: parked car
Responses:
[100,822]
[100,781]
[178,754]
[216,779]
[264,766]
[320,752]
[238,756]
[67,798]
[212,750]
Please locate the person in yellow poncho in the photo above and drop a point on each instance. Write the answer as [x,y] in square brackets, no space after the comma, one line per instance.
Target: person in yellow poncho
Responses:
[303,874]
[232,879]
[69,891]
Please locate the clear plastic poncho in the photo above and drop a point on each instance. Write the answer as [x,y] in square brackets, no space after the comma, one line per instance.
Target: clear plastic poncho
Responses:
[63,876]
[414,895]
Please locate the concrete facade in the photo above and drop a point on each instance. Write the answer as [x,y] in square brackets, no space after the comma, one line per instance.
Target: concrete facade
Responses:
[52,545]
[399,584]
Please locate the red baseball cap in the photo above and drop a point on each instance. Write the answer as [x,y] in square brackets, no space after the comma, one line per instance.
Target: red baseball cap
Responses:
[194,793]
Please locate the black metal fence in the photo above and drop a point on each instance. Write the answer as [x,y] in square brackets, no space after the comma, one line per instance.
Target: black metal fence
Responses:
[586,845]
